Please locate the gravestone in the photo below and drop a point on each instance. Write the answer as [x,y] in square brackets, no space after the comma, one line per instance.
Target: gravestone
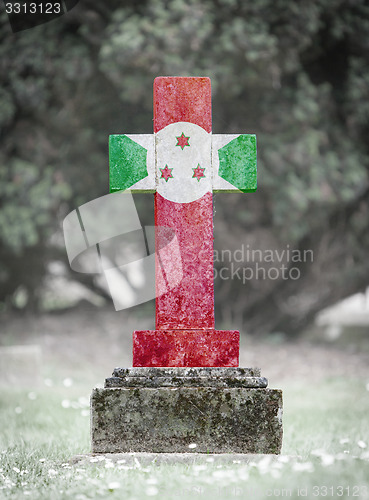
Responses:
[185,391]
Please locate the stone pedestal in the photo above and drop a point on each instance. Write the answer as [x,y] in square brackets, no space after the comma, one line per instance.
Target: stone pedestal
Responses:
[170,410]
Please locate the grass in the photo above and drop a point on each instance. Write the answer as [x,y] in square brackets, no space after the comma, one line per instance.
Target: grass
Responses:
[325,451]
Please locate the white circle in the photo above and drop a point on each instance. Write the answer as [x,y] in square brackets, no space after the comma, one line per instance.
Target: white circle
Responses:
[183,162]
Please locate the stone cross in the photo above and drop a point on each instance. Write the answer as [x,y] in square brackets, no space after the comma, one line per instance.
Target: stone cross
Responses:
[183,164]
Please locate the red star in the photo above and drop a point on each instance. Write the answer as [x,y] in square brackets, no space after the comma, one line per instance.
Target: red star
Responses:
[198,172]
[182,141]
[166,173]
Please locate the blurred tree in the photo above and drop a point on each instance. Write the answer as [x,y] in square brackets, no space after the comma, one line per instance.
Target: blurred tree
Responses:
[295,74]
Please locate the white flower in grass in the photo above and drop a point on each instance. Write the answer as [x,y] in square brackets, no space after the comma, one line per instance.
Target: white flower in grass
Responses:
[199,467]
[121,461]
[67,382]
[152,491]
[277,465]
[318,453]
[275,473]
[84,402]
[303,467]
[114,485]
[94,459]
[65,403]
[344,440]
[26,492]
[243,474]
[367,386]
[224,473]
[32,396]
[327,460]
[264,464]
[124,467]
[18,410]
[85,413]
[8,482]
[361,444]
[192,446]
[152,480]
[210,459]
[52,472]
[341,456]
[109,465]
[15,469]
[42,460]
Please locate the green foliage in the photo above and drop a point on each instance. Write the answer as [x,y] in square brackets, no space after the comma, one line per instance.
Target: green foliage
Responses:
[268,60]
[294,73]
[31,198]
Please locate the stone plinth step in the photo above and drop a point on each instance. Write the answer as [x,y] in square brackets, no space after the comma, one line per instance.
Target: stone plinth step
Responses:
[202,371]
[214,416]
[251,382]
[187,377]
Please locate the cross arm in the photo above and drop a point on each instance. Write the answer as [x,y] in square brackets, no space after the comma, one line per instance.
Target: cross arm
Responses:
[132,163]
[234,162]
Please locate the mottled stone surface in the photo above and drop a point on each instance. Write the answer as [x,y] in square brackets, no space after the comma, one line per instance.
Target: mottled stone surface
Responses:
[191,304]
[179,99]
[183,162]
[132,167]
[241,151]
[186,377]
[125,151]
[186,372]
[252,382]
[185,347]
[168,420]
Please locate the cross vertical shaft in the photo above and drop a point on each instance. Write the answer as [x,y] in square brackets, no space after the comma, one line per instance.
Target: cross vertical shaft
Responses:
[191,305]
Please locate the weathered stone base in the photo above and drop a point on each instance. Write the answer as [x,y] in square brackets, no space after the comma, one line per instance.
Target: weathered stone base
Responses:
[126,416]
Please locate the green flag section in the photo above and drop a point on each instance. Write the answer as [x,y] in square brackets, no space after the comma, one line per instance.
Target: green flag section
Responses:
[127,162]
[237,163]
